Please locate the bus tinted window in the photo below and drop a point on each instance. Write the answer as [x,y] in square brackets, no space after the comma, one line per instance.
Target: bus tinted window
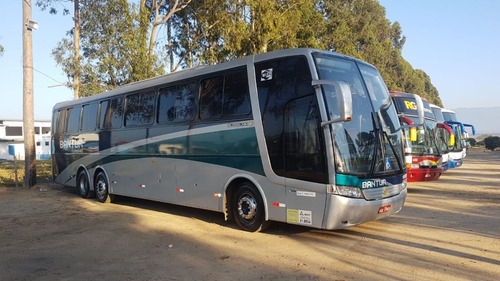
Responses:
[236,97]
[176,103]
[73,120]
[211,97]
[140,109]
[225,96]
[113,113]
[278,82]
[102,112]
[89,117]
[59,122]
[304,154]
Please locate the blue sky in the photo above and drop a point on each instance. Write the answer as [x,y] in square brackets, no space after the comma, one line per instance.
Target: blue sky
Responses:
[455,42]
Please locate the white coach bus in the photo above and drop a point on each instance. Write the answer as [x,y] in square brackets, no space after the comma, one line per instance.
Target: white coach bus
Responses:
[301,136]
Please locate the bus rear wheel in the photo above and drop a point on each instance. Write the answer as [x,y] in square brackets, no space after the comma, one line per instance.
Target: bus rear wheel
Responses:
[83,185]
[248,208]
[101,188]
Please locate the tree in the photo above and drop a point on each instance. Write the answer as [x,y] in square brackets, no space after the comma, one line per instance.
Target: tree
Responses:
[1,51]
[472,141]
[161,12]
[215,31]
[113,49]
[44,4]
[492,142]
[360,29]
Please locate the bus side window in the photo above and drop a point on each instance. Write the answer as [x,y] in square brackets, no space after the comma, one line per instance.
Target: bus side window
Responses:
[140,109]
[73,120]
[177,103]
[59,121]
[113,112]
[55,118]
[236,96]
[211,97]
[103,108]
[89,116]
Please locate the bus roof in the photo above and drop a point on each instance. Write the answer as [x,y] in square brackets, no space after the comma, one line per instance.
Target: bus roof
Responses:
[200,71]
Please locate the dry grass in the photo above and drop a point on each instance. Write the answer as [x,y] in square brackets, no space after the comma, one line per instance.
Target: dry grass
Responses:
[8,172]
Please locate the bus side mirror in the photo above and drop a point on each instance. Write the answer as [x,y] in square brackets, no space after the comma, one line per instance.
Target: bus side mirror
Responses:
[452,140]
[409,125]
[420,110]
[343,97]
[413,134]
[450,132]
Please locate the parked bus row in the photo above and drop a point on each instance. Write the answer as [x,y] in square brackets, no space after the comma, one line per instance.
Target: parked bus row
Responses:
[301,136]
[434,147]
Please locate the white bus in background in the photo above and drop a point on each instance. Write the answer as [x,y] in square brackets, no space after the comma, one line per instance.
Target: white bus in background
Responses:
[301,136]
[11,136]
[445,137]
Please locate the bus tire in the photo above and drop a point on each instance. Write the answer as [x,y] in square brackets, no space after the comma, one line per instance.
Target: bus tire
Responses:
[83,184]
[248,208]
[101,188]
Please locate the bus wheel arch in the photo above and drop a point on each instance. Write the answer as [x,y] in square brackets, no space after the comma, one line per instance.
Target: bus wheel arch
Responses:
[83,183]
[245,204]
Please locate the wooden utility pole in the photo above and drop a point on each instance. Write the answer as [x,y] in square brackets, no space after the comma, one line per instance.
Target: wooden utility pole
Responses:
[28,112]
[76,39]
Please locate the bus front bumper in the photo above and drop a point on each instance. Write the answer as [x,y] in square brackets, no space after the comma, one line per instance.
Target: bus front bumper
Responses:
[424,174]
[455,163]
[342,212]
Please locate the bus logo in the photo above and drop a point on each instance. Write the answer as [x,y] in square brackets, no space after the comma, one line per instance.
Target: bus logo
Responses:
[374,183]
[411,105]
[266,74]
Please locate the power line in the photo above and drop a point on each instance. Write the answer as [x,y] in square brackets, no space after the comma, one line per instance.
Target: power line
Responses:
[46,75]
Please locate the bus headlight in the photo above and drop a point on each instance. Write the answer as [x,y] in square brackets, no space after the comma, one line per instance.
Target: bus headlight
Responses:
[347,191]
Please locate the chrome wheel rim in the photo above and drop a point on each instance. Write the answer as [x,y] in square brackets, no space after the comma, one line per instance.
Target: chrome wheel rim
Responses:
[247,207]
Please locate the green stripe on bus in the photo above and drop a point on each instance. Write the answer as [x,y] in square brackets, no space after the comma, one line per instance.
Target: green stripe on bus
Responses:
[232,148]
[347,180]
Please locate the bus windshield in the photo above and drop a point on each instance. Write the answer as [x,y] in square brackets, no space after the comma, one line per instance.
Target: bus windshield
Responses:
[459,140]
[450,116]
[425,143]
[438,114]
[370,144]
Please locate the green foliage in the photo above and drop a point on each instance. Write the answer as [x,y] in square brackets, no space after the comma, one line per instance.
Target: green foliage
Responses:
[359,28]
[1,51]
[214,31]
[492,142]
[114,37]
[472,141]
[113,47]
[53,5]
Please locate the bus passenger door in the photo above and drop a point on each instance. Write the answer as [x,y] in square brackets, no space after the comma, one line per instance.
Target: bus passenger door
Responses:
[305,162]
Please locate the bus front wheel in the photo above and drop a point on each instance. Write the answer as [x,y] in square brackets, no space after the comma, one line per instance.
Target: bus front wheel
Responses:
[248,208]
[101,188]
[83,185]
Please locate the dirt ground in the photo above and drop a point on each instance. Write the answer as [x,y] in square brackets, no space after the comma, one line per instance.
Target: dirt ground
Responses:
[448,230]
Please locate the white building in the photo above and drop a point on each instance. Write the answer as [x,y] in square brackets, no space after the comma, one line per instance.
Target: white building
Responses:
[12,134]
